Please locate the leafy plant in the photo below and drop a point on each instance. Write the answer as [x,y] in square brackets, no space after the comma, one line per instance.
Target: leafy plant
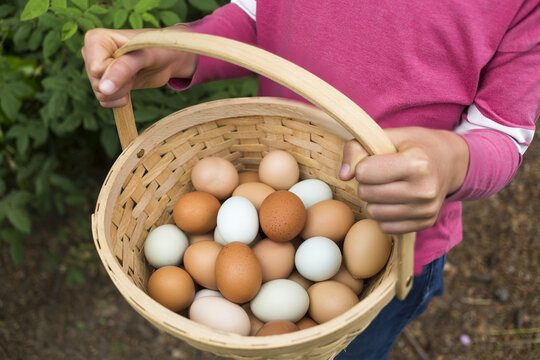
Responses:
[57,143]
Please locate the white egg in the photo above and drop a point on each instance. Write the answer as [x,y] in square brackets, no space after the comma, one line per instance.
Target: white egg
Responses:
[206,292]
[318,258]
[280,299]
[238,220]
[311,191]
[165,245]
[218,238]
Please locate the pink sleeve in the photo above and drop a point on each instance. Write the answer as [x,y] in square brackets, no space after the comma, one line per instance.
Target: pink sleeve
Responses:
[500,125]
[228,21]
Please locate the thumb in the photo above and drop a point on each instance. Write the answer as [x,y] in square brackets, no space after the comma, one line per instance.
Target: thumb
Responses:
[353,153]
[122,71]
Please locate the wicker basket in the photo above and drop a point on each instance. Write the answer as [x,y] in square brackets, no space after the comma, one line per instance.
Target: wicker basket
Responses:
[154,170]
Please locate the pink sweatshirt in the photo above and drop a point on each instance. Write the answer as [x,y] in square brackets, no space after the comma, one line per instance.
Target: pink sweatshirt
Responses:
[468,66]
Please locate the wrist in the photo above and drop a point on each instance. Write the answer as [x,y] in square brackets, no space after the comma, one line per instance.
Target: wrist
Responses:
[458,150]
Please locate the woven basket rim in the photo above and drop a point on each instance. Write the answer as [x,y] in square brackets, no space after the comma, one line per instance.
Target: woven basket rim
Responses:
[172,322]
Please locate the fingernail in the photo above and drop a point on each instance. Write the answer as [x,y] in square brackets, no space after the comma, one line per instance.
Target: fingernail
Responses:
[107,87]
[344,170]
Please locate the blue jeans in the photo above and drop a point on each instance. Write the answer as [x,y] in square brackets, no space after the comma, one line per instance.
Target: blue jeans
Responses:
[376,341]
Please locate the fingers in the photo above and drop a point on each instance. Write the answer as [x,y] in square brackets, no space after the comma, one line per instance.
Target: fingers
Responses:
[405,226]
[353,153]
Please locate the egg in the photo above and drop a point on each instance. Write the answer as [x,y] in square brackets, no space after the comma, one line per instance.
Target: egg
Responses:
[318,258]
[276,258]
[218,238]
[196,212]
[344,276]
[216,176]
[193,238]
[220,314]
[282,215]
[238,273]
[279,169]
[237,220]
[302,281]
[248,176]
[328,299]
[280,299]
[206,292]
[311,191]
[165,245]
[328,218]
[256,324]
[172,287]
[277,327]
[366,249]
[255,192]
[305,323]
[200,262]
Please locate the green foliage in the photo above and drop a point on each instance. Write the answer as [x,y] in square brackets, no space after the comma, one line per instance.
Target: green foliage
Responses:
[56,142]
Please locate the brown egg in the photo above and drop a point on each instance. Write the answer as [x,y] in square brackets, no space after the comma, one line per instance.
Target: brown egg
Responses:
[328,218]
[238,273]
[248,176]
[328,299]
[279,169]
[256,324]
[302,281]
[345,277]
[276,258]
[200,262]
[196,212]
[255,192]
[366,249]
[305,323]
[277,327]
[216,176]
[282,215]
[172,287]
[194,238]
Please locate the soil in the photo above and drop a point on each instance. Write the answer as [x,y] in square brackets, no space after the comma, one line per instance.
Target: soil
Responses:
[490,309]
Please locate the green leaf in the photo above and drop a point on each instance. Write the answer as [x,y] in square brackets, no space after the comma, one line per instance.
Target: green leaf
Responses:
[166,4]
[169,18]
[59,4]
[135,20]
[85,23]
[128,4]
[145,5]
[120,17]
[34,8]
[10,104]
[206,6]
[22,33]
[96,9]
[19,218]
[97,21]
[35,40]
[72,13]
[63,183]
[6,10]
[151,19]
[55,83]
[110,142]
[68,30]
[81,4]
[181,9]
[20,88]
[51,43]
[57,104]
[16,250]
[2,191]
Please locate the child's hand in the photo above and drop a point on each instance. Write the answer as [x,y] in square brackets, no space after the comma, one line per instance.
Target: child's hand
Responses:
[406,190]
[112,80]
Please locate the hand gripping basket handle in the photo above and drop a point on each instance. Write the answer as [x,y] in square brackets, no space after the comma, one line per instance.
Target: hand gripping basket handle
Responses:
[292,76]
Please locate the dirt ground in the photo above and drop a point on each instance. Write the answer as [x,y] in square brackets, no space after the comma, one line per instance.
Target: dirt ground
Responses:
[490,309]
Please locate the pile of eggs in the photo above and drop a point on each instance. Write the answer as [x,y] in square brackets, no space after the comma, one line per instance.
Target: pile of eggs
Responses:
[261,253]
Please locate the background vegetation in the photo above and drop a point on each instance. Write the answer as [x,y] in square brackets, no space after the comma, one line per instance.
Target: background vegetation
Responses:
[56,142]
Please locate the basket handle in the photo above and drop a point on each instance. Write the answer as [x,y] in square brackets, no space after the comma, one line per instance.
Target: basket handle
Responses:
[312,88]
